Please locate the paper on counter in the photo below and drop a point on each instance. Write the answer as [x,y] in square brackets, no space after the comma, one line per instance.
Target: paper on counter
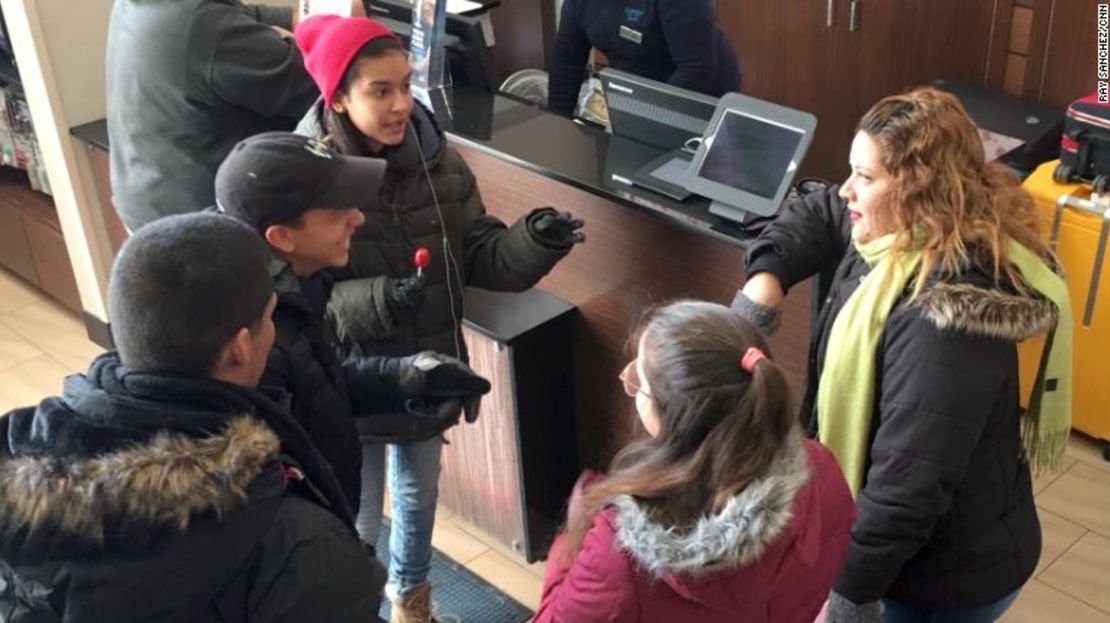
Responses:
[996,145]
[325,7]
[458,7]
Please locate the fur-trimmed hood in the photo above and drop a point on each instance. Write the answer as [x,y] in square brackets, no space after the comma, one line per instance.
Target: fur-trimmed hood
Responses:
[147,488]
[988,312]
[124,456]
[738,535]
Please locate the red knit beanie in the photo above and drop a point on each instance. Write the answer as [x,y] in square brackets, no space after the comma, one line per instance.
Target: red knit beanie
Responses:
[329,42]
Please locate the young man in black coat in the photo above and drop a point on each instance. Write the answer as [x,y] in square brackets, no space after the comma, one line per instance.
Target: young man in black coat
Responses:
[161,485]
[302,198]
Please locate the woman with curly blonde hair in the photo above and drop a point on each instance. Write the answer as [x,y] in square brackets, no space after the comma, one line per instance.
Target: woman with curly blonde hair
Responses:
[913,377]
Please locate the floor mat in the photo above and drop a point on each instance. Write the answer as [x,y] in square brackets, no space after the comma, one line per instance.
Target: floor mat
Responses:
[460,596]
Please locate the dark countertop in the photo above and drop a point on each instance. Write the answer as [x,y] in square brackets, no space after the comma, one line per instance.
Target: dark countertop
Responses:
[555,147]
[505,316]
[573,153]
[1002,113]
[94,133]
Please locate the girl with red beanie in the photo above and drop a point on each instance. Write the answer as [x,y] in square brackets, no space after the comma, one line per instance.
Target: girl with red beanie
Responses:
[381,304]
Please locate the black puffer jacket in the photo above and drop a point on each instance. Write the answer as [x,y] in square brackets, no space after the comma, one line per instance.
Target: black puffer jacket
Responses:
[946,518]
[137,497]
[404,218]
[326,393]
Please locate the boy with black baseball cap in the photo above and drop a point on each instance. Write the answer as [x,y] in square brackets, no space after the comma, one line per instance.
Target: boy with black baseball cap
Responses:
[302,198]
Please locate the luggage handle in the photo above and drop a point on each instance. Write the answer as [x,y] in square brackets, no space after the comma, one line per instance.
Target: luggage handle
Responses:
[1064,202]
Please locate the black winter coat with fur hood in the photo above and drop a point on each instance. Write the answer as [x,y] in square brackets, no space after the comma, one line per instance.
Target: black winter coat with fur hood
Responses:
[137,497]
[946,518]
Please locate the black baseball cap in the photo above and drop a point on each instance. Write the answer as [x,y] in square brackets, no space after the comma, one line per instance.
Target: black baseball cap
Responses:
[275,177]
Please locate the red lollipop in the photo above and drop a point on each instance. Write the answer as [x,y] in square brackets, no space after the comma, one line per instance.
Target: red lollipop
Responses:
[421,259]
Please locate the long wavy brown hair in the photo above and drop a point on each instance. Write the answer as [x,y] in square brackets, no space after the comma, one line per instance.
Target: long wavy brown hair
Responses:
[966,209]
[720,427]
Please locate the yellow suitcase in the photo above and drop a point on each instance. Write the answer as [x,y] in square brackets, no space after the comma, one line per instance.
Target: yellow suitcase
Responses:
[1079,230]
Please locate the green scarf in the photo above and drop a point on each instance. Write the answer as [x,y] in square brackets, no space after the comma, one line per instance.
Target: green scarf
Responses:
[846,392]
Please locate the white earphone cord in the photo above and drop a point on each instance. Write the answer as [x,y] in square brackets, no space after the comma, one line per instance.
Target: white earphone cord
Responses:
[451,265]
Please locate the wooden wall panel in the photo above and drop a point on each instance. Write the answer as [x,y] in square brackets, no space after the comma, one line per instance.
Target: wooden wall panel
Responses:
[1061,63]
[524,31]
[630,261]
[1000,44]
[1021,28]
[1070,56]
[15,251]
[789,56]
[1015,74]
[52,263]
[481,479]
[98,161]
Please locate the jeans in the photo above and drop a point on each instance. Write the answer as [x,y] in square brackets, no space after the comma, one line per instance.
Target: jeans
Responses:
[413,489]
[896,612]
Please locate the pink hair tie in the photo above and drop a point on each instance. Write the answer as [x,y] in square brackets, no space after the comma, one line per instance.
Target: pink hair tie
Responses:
[751,357]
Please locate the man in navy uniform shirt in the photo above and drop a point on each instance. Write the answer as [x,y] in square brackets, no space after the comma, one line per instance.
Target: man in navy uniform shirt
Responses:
[672,41]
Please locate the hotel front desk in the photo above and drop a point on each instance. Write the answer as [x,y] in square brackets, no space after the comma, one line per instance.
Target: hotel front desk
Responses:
[554,353]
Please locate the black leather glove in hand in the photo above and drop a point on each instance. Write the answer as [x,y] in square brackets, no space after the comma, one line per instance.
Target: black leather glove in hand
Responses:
[432,376]
[555,229]
[471,408]
[406,293]
[429,390]
[765,318]
[417,421]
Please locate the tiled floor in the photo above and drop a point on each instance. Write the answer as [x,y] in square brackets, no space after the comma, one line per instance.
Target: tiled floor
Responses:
[41,342]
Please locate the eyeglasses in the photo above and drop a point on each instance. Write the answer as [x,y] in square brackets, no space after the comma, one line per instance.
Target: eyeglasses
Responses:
[630,379]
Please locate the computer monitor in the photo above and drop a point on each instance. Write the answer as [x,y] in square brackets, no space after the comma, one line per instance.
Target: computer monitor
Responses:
[469,60]
[666,117]
[749,156]
[653,112]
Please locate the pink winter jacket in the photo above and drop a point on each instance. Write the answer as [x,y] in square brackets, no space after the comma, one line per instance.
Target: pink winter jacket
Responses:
[770,556]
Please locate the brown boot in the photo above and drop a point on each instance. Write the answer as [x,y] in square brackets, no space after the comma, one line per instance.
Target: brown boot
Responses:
[415,606]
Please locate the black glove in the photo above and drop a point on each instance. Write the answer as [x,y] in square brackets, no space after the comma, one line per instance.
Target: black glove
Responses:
[432,391]
[406,293]
[471,408]
[555,229]
[765,318]
[417,421]
[448,378]
[433,377]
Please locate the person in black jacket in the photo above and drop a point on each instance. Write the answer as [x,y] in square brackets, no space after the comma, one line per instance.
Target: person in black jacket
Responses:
[672,41]
[186,80]
[939,273]
[161,486]
[381,303]
[301,198]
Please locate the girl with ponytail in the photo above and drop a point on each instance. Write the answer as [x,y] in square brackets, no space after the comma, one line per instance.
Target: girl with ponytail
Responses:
[724,513]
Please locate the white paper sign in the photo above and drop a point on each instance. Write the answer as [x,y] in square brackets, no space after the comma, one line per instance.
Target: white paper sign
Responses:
[341,8]
[997,145]
[459,7]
